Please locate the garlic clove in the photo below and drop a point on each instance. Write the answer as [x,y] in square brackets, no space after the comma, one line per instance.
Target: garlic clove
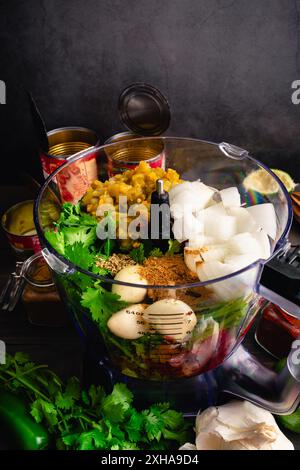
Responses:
[130,294]
[129,322]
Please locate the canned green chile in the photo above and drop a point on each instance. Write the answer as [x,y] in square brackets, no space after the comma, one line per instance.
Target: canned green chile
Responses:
[64,142]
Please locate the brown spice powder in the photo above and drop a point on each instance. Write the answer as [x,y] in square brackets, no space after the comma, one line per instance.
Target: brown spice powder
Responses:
[167,270]
[172,270]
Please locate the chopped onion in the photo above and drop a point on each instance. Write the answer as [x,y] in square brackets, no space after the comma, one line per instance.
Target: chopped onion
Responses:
[222,227]
[186,185]
[230,197]
[203,254]
[211,212]
[214,252]
[265,217]
[187,227]
[191,256]
[262,238]
[245,243]
[237,286]
[244,220]
[240,261]
[194,195]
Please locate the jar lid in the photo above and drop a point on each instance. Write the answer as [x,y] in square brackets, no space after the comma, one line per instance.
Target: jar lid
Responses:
[144,109]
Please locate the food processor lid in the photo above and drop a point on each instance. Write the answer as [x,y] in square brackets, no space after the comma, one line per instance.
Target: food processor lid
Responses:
[144,109]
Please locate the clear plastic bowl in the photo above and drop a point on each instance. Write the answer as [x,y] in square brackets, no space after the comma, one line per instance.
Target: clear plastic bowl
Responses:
[224,307]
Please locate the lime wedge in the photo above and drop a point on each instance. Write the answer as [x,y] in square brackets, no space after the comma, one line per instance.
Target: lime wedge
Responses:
[262,182]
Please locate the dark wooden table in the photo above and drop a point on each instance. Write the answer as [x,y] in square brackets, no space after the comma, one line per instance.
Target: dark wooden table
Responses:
[60,348]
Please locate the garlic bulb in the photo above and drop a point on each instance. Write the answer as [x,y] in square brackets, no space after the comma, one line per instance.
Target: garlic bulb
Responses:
[239,425]
[127,293]
[129,322]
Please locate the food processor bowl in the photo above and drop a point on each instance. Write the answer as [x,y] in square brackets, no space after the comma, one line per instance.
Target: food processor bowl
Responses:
[199,324]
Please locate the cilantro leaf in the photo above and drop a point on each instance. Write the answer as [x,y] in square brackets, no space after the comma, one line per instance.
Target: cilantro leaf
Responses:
[156,252]
[36,411]
[66,400]
[79,255]
[134,427]
[108,247]
[84,235]
[44,409]
[21,358]
[101,303]
[56,239]
[174,247]
[153,425]
[70,439]
[115,405]
[96,395]
[63,401]
[121,394]
[138,254]
[70,214]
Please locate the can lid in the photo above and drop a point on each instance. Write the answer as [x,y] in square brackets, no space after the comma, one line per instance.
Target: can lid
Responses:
[144,109]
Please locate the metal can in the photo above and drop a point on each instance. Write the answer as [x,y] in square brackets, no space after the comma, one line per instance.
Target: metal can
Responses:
[64,142]
[17,222]
[128,155]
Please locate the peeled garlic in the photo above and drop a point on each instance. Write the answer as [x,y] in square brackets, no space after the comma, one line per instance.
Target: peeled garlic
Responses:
[170,317]
[128,323]
[127,293]
[239,425]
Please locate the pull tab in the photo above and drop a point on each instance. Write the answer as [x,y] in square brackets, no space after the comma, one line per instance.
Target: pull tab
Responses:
[56,264]
[232,151]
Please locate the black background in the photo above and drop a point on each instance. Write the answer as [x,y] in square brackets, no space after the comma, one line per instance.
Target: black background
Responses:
[226,67]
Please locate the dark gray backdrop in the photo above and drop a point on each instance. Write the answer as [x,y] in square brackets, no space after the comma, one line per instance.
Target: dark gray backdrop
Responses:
[226,67]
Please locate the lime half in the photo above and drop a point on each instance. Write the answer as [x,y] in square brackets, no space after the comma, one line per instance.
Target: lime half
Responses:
[262,182]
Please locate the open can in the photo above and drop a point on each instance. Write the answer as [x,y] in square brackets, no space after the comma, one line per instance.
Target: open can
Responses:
[63,143]
[145,111]
[127,156]
[18,225]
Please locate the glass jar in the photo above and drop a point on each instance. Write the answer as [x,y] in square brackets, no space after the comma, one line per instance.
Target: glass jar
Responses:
[276,330]
[40,297]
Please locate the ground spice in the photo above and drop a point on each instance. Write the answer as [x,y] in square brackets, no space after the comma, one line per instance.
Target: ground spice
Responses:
[167,270]
[172,270]
[115,262]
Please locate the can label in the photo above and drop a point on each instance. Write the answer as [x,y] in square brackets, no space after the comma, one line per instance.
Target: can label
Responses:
[116,166]
[74,180]
[22,243]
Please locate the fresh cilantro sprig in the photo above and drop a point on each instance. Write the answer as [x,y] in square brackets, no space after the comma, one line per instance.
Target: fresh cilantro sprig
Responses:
[174,247]
[138,254]
[90,419]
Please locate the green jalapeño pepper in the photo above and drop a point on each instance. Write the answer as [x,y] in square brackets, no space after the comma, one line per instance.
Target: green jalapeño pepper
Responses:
[18,430]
